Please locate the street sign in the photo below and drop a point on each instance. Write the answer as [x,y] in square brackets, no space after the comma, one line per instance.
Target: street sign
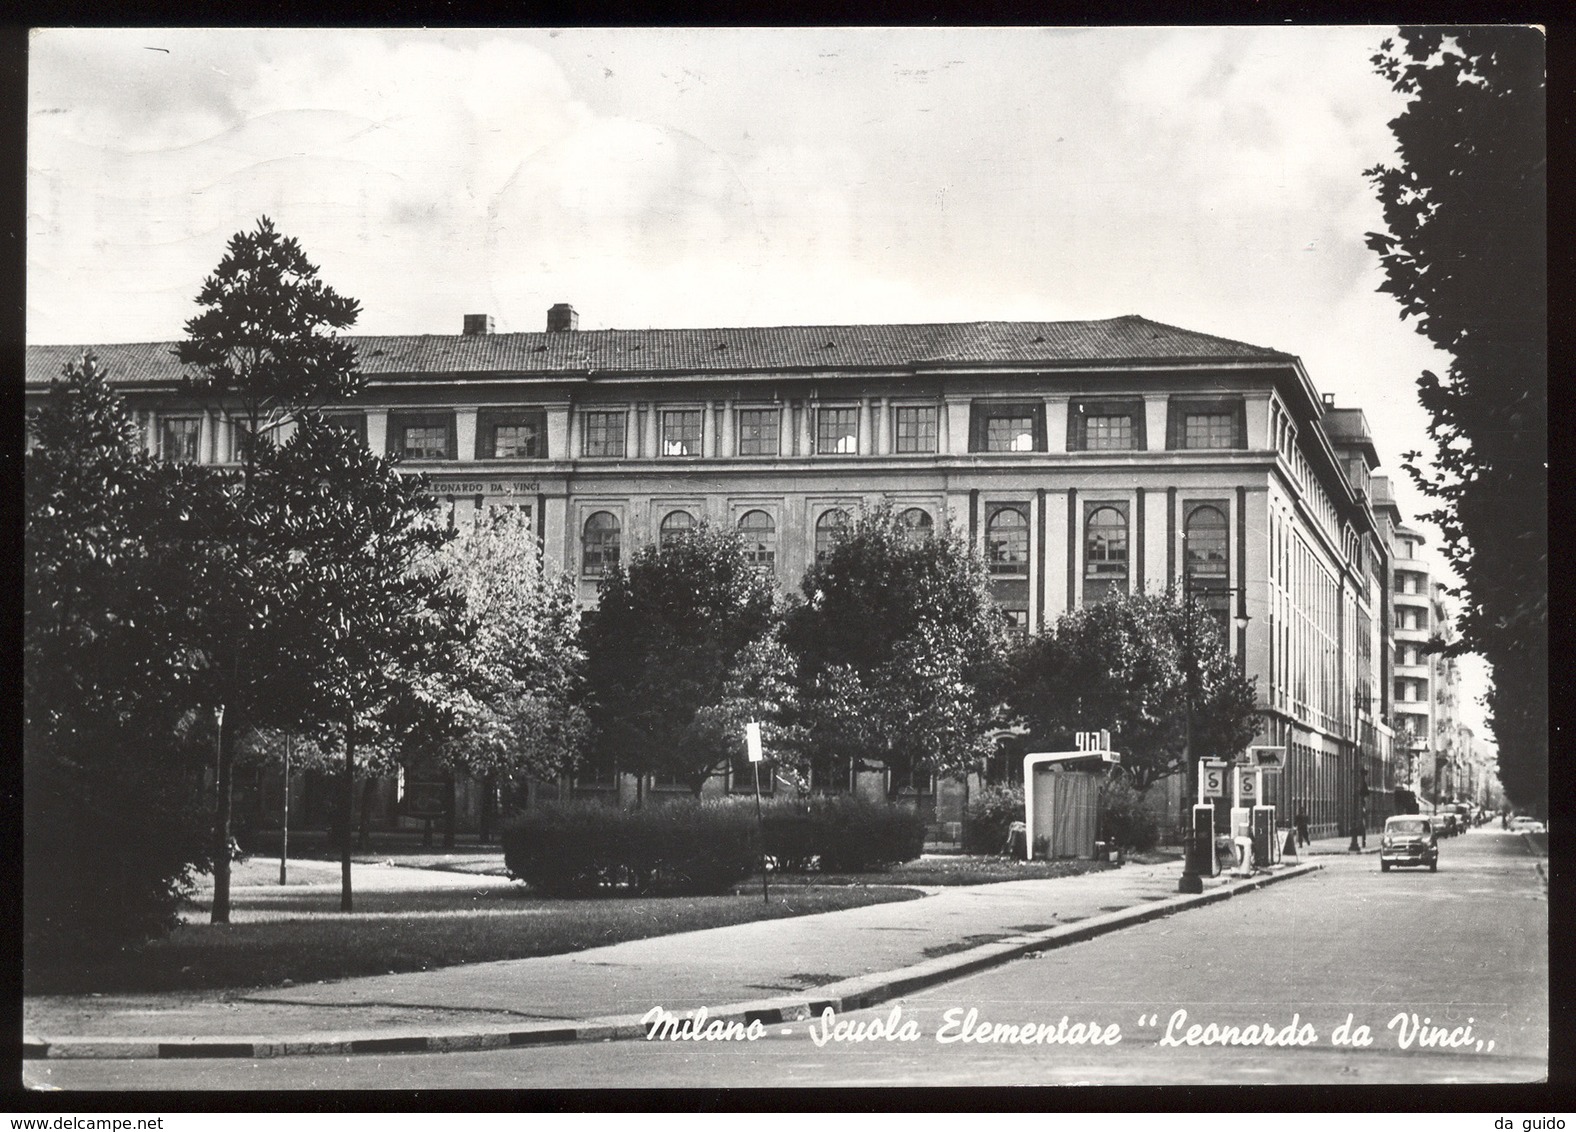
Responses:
[1247,780]
[1216,764]
[1092,740]
[1268,758]
[752,741]
[1214,781]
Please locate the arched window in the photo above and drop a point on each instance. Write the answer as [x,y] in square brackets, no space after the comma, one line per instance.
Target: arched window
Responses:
[1007,543]
[675,525]
[599,543]
[1105,554]
[1206,543]
[917,524]
[826,531]
[759,534]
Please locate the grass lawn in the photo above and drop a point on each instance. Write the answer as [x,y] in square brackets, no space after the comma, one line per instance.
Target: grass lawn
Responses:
[303,937]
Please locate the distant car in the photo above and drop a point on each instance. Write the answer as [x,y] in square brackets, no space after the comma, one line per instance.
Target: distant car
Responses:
[1522,823]
[1409,839]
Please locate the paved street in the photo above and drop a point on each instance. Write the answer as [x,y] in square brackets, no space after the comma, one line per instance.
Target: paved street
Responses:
[1464,947]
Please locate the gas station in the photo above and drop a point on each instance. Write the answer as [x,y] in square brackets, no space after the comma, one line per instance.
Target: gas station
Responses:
[1249,828]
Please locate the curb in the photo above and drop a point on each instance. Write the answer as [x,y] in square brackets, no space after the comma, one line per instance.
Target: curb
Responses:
[851,994]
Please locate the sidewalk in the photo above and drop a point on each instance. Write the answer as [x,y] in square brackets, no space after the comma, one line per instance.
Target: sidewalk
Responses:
[773,970]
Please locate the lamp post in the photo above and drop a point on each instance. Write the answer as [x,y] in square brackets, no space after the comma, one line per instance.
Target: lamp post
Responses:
[1191,880]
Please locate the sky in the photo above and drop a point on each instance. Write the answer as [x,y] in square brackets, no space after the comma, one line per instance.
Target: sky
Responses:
[1211,178]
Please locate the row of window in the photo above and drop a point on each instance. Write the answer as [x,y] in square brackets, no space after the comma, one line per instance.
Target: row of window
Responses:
[916,429]
[1205,543]
[994,427]
[601,541]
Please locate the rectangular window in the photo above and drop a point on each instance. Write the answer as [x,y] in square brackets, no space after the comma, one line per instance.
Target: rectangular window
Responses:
[511,435]
[681,432]
[1017,622]
[1108,433]
[1209,430]
[421,436]
[1000,426]
[837,432]
[178,437]
[915,428]
[1218,424]
[604,434]
[758,432]
[1009,434]
[1105,426]
[424,442]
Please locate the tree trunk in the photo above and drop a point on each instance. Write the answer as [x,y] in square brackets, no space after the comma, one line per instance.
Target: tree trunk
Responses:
[347,817]
[224,740]
[448,811]
[284,817]
[364,835]
[489,802]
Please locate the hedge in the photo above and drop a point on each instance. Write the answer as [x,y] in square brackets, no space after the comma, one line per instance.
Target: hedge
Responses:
[687,847]
[841,833]
[593,849]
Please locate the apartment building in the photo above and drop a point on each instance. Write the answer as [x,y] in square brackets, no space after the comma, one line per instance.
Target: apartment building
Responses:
[1083,459]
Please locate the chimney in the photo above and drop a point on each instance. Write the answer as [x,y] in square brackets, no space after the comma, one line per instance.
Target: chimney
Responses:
[562,316]
[478,324]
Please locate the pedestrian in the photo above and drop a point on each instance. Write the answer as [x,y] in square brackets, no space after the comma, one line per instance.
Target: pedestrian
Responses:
[1302,823]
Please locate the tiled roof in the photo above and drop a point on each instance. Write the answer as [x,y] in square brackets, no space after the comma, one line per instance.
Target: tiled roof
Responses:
[726,350]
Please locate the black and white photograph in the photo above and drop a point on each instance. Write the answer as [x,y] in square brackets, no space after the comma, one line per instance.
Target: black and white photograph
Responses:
[749,558]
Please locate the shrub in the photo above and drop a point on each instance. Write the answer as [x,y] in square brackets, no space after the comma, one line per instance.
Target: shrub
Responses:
[1126,819]
[114,835]
[991,812]
[592,849]
[842,833]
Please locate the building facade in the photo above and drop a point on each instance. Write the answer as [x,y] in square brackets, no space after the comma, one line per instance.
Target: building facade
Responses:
[1082,459]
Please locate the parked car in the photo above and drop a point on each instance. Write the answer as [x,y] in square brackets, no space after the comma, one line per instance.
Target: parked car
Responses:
[1524,823]
[1409,839]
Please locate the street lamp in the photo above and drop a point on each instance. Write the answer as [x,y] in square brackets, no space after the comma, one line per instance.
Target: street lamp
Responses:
[1192,881]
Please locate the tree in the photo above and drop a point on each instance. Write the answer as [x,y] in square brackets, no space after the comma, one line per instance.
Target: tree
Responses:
[1464,254]
[263,350]
[679,655]
[368,630]
[899,649]
[1129,665]
[111,804]
[526,666]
